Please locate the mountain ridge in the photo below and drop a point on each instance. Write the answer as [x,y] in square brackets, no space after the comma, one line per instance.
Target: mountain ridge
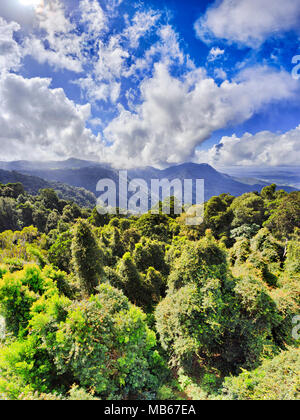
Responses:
[33,184]
[86,174]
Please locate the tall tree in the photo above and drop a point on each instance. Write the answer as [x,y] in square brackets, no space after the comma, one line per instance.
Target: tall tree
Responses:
[87,257]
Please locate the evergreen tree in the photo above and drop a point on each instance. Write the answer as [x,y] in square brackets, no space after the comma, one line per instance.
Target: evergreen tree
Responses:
[87,257]
[134,288]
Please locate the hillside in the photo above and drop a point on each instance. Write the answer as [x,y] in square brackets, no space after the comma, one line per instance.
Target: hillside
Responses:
[148,307]
[33,184]
[86,174]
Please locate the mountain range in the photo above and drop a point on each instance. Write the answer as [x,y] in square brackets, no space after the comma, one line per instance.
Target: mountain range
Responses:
[32,184]
[85,175]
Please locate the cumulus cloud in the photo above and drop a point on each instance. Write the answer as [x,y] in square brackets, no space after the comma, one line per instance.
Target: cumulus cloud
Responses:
[39,122]
[103,81]
[220,74]
[249,22]
[93,17]
[13,10]
[58,42]
[172,106]
[177,115]
[109,65]
[262,149]
[10,51]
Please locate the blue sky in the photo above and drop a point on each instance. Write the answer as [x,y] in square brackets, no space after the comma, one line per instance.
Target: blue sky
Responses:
[151,82]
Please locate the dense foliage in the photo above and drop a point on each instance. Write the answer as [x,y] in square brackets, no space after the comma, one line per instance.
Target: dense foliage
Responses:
[102,307]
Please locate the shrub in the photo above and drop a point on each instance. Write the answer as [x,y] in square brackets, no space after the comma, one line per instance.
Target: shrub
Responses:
[149,254]
[240,251]
[18,291]
[271,250]
[276,379]
[292,263]
[199,261]
[106,346]
[190,322]
[156,284]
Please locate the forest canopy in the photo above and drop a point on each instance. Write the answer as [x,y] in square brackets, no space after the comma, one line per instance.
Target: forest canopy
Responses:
[126,307]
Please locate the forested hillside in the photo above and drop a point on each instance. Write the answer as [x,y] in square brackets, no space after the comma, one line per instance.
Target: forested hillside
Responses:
[86,174]
[127,307]
[33,185]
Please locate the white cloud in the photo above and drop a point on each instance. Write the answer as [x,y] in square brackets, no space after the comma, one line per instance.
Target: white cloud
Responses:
[97,90]
[262,149]
[167,116]
[57,58]
[10,51]
[177,115]
[166,50]
[58,42]
[142,22]
[39,122]
[112,5]
[109,66]
[215,53]
[220,74]
[111,60]
[93,17]
[13,11]
[249,22]
[103,81]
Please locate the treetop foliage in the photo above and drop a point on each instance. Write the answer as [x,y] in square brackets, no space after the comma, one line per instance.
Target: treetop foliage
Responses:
[127,307]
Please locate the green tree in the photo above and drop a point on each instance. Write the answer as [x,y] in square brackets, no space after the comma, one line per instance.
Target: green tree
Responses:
[247,210]
[27,213]
[87,257]
[268,193]
[154,226]
[286,217]
[97,219]
[276,379]
[218,216]
[71,213]
[130,238]
[198,262]
[40,216]
[9,215]
[49,199]
[12,190]
[60,254]
[156,285]
[18,292]
[149,253]
[115,350]
[190,322]
[52,220]
[133,286]
[292,263]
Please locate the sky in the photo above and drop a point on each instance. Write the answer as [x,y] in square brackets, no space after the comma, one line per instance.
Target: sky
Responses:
[151,82]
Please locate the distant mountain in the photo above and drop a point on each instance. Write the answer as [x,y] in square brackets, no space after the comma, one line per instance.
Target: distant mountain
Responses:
[86,174]
[33,184]
[25,165]
[215,182]
[279,175]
